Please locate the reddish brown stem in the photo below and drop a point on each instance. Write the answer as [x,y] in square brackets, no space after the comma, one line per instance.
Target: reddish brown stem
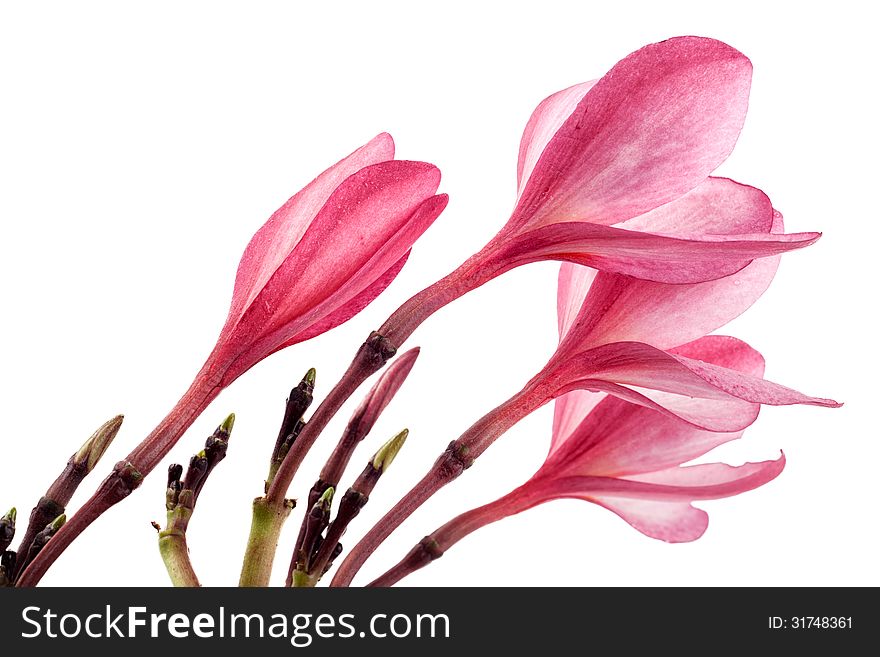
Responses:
[370,358]
[456,459]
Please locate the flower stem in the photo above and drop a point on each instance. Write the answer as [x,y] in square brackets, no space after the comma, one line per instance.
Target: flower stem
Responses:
[372,355]
[459,455]
[174,550]
[266,524]
[474,272]
[435,545]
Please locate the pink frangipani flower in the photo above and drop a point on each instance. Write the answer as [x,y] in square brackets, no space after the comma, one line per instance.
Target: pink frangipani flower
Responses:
[610,172]
[318,261]
[623,457]
[642,342]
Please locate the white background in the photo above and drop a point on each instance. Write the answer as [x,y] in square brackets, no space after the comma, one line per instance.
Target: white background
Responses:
[141,145]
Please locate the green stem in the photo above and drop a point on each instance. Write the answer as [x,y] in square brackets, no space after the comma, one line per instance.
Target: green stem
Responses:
[266,524]
[172,543]
[302,579]
[175,554]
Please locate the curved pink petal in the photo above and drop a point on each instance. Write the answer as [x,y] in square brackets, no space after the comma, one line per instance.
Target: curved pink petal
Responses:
[352,308]
[417,223]
[709,481]
[707,395]
[639,364]
[621,308]
[717,414]
[569,412]
[717,206]
[544,122]
[618,439]
[335,271]
[672,522]
[661,258]
[726,414]
[653,128]
[272,243]
[658,504]
[724,351]
[573,287]
[367,210]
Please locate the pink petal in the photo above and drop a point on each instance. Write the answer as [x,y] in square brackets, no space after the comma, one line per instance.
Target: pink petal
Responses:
[653,128]
[545,121]
[658,505]
[619,308]
[724,351]
[331,276]
[661,258]
[573,408]
[711,481]
[575,282]
[718,206]
[352,308]
[367,210]
[413,228]
[711,414]
[280,234]
[672,522]
[618,438]
[704,394]
[569,411]
[619,305]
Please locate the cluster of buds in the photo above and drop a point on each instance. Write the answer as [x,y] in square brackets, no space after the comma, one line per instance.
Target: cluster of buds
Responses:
[320,544]
[181,494]
[48,515]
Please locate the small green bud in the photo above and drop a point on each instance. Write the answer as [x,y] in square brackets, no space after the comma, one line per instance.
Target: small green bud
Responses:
[93,449]
[383,458]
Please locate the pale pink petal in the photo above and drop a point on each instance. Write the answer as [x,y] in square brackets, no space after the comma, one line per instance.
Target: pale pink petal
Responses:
[569,411]
[705,394]
[658,504]
[661,258]
[653,128]
[727,414]
[672,522]
[618,438]
[709,481]
[724,351]
[547,118]
[575,282]
[614,307]
[638,364]
[279,235]
[620,308]
[718,206]
[717,414]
